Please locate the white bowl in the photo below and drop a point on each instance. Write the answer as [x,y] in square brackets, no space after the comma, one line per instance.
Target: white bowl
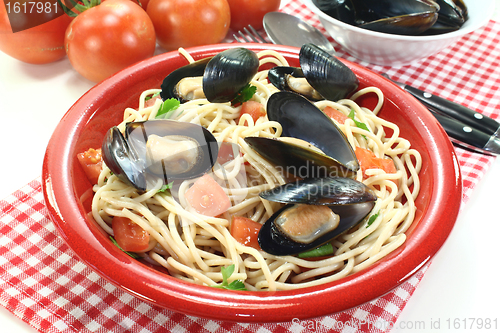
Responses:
[392,50]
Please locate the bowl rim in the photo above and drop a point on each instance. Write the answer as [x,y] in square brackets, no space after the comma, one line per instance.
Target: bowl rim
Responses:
[454,34]
[207,302]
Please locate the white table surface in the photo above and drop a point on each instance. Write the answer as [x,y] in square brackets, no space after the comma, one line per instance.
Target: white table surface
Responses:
[460,286]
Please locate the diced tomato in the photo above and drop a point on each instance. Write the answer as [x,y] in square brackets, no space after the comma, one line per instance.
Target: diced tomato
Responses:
[207,197]
[254,109]
[226,152]
[91,162]
[335,114]
[245,231]
[129,235]
[151,101]
[367,160]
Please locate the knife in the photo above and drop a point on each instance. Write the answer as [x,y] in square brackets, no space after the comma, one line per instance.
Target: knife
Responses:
[454,110]
[466,136]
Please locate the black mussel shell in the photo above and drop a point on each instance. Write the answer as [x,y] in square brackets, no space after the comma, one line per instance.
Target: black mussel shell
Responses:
[169,85]
[321,191]
[127,156]
[301,119]
[123,162]
[228,72]
[300,161]
[351,200]
[342,10]
[326,74]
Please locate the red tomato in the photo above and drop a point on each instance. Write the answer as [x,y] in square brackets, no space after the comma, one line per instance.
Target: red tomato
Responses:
[38,45]
[207,197]
[335,114]
[91,162]
[226,152]
[109,37]
[254,109]
[245,12]
[246,231]
[367,160]
[185,23]
[129,235]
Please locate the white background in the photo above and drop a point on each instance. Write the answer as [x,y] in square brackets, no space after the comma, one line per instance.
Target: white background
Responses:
[462,282]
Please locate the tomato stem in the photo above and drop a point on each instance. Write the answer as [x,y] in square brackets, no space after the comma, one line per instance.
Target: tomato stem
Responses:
[80,8]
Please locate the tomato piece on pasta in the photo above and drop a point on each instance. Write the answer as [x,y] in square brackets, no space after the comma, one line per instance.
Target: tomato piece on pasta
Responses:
[245,231]
[129,235]
[368,160]
[252,108]
[207,197]
[335,114]
[91,162]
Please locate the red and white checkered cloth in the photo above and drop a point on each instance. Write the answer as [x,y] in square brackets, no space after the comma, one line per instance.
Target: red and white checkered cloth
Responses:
[46,285]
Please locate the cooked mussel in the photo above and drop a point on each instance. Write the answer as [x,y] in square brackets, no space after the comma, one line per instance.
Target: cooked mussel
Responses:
[316,211]
[402,17]
[452,15]
[159,150]
[301,119]
[320,76]
[292,79]
[218,79]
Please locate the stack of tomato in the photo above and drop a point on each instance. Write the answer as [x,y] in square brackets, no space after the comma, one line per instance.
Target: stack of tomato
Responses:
[103,38]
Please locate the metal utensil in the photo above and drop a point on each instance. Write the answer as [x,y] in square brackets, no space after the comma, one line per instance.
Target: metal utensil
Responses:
[286,29]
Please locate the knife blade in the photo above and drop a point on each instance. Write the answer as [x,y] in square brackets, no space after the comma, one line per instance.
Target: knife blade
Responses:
[454,110]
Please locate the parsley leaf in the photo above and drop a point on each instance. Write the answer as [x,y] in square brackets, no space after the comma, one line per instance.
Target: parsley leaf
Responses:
[132,254]
[372,219]
[165,187]
[323,250]
[358,123]
[151,96]
[244,95]
[167,107]
[226,273]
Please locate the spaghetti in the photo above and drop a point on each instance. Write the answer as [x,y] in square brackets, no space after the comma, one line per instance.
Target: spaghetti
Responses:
[194,247]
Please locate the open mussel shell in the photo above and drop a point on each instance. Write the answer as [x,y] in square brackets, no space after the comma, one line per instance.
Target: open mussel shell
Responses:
[411,24]
[123,162]
[301,119]
[326,74]
[348,198]
[159,150]
[297,160]
[452,15]
[169,87]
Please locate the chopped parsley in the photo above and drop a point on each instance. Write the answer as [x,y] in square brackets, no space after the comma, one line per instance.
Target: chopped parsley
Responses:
[152,96]
[132,254]
[235,285]
[372,219]
[323,250]
[244,95]
[165,187]
[167,107]
[358,123]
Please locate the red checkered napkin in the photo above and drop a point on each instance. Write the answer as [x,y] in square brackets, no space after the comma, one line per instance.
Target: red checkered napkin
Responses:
[46,285]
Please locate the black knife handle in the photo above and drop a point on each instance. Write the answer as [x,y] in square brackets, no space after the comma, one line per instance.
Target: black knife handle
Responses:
[460,131]
[465,115]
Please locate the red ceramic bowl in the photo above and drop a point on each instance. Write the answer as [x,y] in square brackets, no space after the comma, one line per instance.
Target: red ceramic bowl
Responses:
[68,193]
